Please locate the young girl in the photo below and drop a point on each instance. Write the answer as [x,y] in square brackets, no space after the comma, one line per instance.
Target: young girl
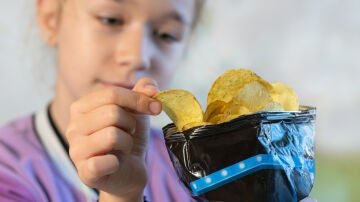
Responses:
[93,141]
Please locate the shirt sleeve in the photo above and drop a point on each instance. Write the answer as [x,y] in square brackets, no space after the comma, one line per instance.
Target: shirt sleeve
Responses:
[13,187]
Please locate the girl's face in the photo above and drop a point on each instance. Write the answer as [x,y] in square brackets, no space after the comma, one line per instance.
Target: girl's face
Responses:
[116,42]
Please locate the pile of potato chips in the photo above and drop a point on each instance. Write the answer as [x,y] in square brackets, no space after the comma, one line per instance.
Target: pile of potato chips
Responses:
[236,92]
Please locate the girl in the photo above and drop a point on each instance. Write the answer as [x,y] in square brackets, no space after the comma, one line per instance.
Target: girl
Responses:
[94,142]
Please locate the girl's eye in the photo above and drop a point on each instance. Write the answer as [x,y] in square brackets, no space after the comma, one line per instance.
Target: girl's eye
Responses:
[168,38]
[109,21]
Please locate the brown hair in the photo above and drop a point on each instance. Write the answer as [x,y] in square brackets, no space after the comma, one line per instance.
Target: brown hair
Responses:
[199,5]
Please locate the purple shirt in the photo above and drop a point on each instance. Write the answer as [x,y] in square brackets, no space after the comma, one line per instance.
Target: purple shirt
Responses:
[35,166]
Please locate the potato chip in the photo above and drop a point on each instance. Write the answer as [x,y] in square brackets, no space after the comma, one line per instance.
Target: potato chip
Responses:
[222,112]
[181,106]
[227,118]
[286,96]
[213,109]
[254,96]
[273,106]
[232,109]
[228,85]
[194,124]
[216,119]
[235,93]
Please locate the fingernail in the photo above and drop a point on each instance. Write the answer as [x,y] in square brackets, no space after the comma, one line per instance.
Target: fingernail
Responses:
[151,90]
[149,86]
[152,84]
[155,107]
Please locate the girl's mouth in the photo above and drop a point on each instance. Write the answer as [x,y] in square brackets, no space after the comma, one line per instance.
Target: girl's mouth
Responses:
[116,84]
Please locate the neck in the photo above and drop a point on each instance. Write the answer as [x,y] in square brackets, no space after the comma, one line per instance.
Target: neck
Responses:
[60,108]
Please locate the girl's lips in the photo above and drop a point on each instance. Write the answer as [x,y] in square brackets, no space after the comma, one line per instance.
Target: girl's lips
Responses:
[122,85]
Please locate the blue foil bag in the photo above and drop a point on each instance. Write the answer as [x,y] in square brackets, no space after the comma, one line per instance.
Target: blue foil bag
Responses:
[267,156]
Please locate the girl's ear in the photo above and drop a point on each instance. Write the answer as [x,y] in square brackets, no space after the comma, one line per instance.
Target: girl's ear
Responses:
[47,15]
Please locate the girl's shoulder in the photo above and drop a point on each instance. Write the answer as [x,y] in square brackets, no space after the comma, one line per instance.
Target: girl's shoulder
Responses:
[19,141]
[19,134]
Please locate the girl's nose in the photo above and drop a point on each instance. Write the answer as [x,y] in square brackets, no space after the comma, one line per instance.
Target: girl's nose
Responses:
[134,50]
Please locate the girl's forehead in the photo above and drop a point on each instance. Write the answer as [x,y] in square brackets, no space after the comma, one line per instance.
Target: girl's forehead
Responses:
[183,9]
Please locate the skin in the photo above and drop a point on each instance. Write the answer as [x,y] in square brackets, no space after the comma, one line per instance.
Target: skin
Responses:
[113,56]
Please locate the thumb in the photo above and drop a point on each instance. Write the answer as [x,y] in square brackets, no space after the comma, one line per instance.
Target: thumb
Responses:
[149,87]
[146,86]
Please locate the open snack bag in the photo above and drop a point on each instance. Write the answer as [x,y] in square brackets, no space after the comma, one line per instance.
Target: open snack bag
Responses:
[253,142]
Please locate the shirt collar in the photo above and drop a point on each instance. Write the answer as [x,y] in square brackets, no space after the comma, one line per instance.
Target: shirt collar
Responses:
[58,152]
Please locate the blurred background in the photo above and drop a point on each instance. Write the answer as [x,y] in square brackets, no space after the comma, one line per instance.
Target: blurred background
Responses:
[312,46]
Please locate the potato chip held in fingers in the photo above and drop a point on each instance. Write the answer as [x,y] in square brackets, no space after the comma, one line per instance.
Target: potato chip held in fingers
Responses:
[181,106]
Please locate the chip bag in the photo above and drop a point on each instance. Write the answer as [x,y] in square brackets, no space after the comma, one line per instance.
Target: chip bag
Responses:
[285,137]
[253,142]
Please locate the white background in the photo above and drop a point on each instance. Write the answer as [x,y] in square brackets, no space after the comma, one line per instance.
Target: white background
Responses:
[314,46]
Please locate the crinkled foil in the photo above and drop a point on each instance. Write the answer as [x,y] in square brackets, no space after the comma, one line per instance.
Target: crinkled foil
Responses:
[200,151]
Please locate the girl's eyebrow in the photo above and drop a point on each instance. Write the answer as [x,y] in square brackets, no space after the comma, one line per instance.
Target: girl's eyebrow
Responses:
[118,1]
[173,15]
[177,17]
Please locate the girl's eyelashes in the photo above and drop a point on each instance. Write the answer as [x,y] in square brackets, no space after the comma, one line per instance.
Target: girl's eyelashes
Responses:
[167,37]
[111,21]
[166,34]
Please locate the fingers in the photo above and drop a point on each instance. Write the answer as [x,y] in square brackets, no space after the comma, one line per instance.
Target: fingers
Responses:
[101,142]
[102,117]
[97,167]
[138,100]
[107,133]
[149,87]
[146,86]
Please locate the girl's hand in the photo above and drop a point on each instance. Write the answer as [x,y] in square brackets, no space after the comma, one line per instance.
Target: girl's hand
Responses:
[107,137]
